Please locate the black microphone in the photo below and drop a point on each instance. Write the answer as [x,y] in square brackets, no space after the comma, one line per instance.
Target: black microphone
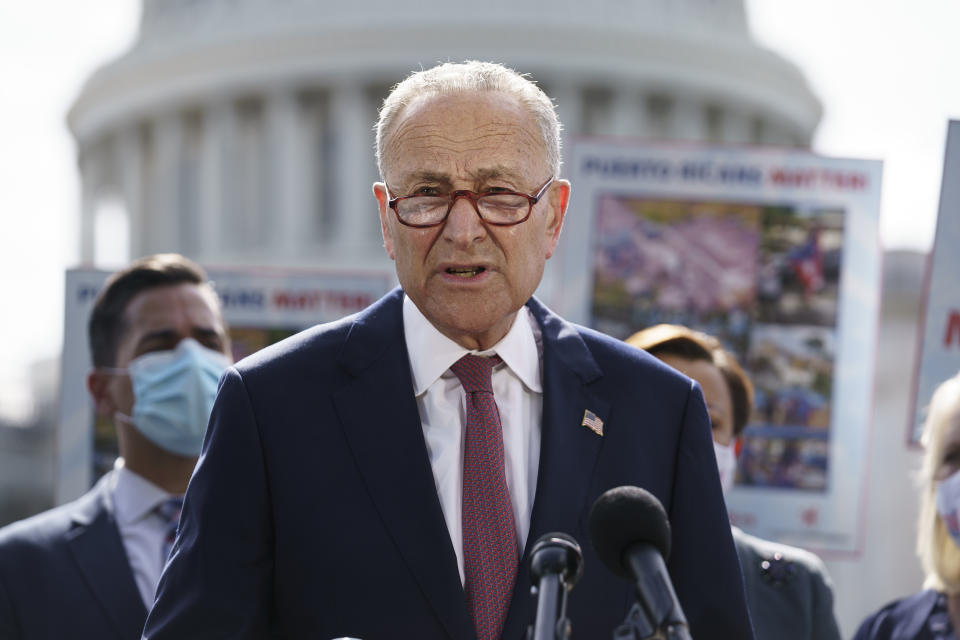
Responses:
[631,534]
[556,563]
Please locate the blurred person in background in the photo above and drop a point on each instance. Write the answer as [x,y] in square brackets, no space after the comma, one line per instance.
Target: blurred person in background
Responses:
[89,569]
[789,592]
[934,613]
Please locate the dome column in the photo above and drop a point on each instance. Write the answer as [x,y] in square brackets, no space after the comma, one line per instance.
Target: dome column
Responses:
[162,225]
[130,156]
[352,200]
[91,179]
[288,168]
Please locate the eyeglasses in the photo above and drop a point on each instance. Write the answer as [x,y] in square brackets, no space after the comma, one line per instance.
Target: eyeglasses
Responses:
[501,208]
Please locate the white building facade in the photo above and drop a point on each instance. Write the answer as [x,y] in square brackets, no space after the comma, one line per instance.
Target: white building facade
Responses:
[241,131]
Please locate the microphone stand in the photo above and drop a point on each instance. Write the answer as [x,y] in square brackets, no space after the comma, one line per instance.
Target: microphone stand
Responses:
[656,615]
[637,626]
[551,606]
[631,534]
[556,563]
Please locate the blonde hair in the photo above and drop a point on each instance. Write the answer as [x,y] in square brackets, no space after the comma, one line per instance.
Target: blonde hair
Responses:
[939,554]
[463,77]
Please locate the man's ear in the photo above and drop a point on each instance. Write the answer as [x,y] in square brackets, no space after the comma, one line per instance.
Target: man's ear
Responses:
[98,384]
[380,193]
[558,199]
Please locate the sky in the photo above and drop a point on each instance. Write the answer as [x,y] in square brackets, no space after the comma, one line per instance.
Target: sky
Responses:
[47,49]
[885,71]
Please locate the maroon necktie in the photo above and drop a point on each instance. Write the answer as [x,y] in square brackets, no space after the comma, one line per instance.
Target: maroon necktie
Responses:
[169,511]
[489,535]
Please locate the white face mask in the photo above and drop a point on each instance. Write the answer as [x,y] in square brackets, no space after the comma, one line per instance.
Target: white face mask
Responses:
[726,463]
[948,504]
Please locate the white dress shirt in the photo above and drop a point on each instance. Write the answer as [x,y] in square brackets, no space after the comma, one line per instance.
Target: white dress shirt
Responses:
[441,402]
[141,530]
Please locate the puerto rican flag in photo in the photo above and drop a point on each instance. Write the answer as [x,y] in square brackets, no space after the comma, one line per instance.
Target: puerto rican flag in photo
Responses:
[807,262]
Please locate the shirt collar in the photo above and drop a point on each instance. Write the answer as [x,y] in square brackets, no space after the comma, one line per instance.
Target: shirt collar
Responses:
[432,353]
[134,497]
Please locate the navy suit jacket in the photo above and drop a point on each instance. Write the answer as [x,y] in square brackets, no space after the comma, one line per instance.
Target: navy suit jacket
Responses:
[903,619]
[64,574]
[313,511]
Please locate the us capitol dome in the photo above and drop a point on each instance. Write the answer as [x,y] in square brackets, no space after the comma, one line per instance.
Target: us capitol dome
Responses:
[240,132]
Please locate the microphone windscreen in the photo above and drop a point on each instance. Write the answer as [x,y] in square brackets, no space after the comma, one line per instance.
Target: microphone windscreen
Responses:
[624,516]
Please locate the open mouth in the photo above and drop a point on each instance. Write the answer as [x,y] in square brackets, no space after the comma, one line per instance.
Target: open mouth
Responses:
[465,272]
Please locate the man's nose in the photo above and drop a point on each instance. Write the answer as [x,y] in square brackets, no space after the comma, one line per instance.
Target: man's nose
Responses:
[463,224]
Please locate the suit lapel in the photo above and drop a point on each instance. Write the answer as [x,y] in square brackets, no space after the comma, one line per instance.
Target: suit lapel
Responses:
[568,450]
[95,543]
[386,437]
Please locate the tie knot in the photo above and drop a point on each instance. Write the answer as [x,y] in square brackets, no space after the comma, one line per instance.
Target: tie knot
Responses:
[169,509]
[475,372]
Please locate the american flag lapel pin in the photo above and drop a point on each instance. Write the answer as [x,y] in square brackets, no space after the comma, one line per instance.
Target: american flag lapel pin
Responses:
[592,422]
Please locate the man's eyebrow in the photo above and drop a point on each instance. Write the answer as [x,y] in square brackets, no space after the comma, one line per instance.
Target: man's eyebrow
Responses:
[480,175]
[167,334]
[497,171]
[428,176]
[170,336]
[208,332]
[159,334]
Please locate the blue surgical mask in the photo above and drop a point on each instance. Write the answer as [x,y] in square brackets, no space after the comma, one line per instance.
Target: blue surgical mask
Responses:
[173,393]
[947,499]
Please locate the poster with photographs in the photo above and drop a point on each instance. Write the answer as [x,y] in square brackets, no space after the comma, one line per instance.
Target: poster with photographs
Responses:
[260,307]
[775,253]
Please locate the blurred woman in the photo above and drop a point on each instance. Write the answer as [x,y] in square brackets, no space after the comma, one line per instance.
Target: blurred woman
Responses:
[932,614]
[788,590]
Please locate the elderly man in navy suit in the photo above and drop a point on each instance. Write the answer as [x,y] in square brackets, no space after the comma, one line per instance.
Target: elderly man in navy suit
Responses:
[89,569]
[384,476]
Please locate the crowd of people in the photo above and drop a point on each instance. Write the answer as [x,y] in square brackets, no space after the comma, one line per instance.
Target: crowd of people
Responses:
[386,475]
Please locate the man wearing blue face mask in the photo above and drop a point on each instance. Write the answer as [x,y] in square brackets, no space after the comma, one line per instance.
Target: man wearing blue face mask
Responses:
[89,569]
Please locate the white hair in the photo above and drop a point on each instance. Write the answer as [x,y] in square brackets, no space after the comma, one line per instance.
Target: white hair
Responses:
[462,77]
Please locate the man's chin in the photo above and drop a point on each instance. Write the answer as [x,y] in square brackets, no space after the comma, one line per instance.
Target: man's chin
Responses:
[470,326]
